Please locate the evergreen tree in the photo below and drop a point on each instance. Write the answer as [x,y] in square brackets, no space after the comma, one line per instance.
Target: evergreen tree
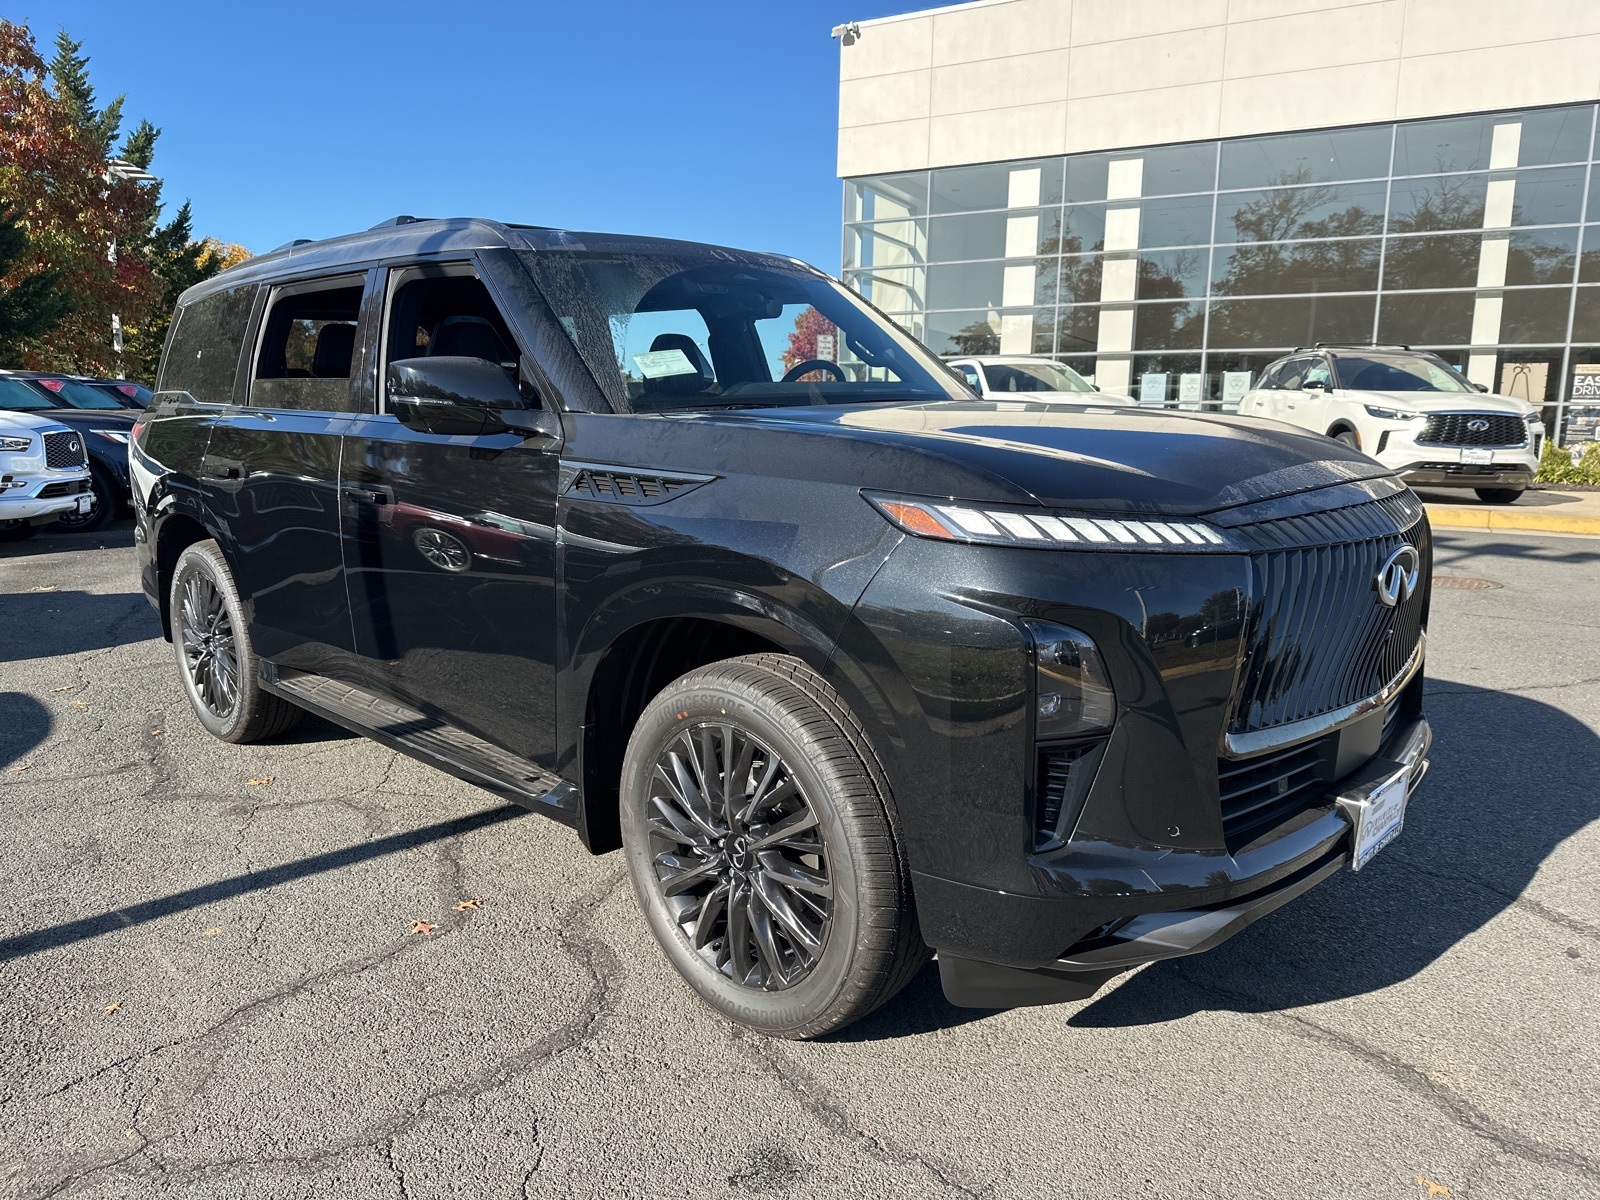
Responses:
[69,71]
[178,262]
[35,303]
[140,146]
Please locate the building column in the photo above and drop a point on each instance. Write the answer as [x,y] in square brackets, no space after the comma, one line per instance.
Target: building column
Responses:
[1119,277]
[1497,210]
[1022,241]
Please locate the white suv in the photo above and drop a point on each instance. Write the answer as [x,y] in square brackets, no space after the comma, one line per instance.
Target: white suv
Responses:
[1018,377]
[1411,411]
[44,474]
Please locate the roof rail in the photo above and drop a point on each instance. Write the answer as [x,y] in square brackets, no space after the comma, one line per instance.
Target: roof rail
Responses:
[396,222]
[290,245]
[1353,346]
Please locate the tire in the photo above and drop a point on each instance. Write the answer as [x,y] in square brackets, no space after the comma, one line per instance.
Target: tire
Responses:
[212,645]
[842,877]
[100,513]
[1348,438]
[1499,495]
[15,531]
[442,551]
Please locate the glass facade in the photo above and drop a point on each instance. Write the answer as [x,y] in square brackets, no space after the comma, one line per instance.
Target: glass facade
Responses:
[1172,272]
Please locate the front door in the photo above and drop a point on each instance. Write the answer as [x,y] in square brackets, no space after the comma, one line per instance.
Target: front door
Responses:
[449,541]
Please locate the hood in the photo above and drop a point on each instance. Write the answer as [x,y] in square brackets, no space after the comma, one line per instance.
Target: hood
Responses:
[1431,402]
[1122,460]
[28,421]
[120,419]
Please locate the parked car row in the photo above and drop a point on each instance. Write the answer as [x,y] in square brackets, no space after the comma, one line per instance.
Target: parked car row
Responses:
[102,413]
[1409,409]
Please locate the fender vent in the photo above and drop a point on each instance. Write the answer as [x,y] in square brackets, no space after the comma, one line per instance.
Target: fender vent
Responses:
[628,487]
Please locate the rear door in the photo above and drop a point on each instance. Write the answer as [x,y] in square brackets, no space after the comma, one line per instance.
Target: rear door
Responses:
[271,470]
[449,541]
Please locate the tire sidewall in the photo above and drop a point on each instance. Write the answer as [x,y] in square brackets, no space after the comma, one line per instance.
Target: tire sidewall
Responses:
[810,1001]
[204,558]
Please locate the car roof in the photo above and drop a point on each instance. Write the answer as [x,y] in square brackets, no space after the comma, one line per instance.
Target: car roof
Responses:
[401,237]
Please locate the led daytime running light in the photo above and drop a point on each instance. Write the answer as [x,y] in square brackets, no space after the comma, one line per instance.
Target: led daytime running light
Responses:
[952,521]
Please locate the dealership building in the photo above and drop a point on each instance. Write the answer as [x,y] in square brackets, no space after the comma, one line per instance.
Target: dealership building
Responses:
[1168,194]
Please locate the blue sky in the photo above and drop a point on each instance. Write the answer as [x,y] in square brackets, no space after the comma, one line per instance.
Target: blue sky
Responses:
[711,121]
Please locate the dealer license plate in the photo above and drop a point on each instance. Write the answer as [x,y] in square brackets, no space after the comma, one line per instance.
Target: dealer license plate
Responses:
[1377,819]
[1481,457]
[85,503]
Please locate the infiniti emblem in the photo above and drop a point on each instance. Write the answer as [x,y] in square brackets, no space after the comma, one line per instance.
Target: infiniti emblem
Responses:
[1397,578]
[1477,424]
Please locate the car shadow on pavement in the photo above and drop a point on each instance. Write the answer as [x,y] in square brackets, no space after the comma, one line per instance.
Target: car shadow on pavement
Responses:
[116,536]
[24,724]
[70,932]
[1512,779]
[47,624]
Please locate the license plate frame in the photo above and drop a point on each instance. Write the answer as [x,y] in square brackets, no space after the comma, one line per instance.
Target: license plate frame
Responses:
[1377,819]
[1477,458]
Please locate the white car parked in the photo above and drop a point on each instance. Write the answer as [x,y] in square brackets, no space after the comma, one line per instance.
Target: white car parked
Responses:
[44,474]
[1411,411]
[1035,379]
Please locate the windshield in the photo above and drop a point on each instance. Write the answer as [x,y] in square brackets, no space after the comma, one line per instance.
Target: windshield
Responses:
[78,395]
[1416,373]
[129,395]
[18,396]
[690,328]
[1039,376]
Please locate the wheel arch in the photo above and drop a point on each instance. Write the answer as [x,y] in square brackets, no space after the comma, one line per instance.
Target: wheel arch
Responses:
[177,531]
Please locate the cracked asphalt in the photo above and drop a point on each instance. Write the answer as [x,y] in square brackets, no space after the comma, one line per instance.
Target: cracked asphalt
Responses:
[209,986]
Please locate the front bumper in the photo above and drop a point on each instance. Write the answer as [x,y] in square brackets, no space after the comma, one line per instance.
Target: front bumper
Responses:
[21,500]
[1147,936]
[1466,475]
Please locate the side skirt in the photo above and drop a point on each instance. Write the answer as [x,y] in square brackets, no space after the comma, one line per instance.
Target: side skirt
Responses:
[429,740]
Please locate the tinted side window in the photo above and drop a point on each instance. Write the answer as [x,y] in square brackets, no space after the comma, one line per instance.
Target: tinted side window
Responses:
[207,337]
[970,374]
[1318,373]
[448,311]
[308,345]
[1293,372]
[1269,378]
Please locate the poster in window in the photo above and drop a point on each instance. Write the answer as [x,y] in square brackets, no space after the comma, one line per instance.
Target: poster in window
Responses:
[1153,389]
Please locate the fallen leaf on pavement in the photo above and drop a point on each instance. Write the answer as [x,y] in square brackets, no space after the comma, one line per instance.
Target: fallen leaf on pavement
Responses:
[422,927]
[259,780]
[1434,1189]
[80,704]
[466,904]
[65,687]
[212,932]
[157,732]
[111,1008]
[20,766]
[43,587]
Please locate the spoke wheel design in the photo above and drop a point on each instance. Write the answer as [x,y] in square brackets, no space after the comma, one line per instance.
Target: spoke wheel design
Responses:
[210,650]
[738,856]
[442,550]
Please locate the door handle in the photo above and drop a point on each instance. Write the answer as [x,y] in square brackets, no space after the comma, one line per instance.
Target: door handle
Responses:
[217,470]
[365,495]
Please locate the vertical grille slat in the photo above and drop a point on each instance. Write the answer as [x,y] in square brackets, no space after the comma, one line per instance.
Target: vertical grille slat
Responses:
[1317,637]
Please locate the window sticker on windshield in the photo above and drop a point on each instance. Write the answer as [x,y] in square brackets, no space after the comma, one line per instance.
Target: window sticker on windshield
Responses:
[657,364]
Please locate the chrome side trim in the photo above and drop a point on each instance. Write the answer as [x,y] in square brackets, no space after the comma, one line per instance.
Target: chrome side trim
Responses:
[1244,745]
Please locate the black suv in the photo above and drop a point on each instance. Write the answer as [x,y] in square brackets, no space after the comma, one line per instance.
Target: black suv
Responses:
[695,551]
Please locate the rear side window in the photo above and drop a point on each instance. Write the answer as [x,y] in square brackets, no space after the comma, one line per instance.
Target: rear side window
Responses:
[308,347]
[207,338]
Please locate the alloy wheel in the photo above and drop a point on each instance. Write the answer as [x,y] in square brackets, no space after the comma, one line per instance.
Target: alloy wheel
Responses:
[210,651]
[738,856]
[442,550]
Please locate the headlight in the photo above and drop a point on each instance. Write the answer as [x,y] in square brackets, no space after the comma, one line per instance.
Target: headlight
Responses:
[1390,414]
[1072,692]
[954,521]
[15,445]
[116,435]
[1534,419]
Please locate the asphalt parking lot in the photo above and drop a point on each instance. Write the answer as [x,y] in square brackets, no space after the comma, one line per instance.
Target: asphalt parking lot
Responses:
[209,983]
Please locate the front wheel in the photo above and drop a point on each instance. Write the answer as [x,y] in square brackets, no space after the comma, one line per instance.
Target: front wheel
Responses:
[1499,495]
[215,660]
[756,831]
[102,504]
[1348,438]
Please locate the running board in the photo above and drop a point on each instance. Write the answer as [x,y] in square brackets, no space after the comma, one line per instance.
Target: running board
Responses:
[430,740]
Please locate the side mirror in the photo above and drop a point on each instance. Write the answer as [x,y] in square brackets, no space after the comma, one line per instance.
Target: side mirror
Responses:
[449,395]
[1482,387]
[1315,385]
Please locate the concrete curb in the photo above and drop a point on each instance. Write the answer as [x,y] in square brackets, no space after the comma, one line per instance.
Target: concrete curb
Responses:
[1528,521]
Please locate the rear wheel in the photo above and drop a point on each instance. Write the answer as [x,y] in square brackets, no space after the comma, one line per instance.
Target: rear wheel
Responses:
[756,830]
[214,656]
[1499,495]
[102,507]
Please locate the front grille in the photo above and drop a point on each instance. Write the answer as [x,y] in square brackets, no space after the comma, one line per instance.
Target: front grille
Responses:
[1262,792]
[1318,638]
[69,487]
[62,450]
[1455,429]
